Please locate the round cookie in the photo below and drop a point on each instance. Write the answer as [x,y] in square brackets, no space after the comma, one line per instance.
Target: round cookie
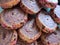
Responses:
[29,6]
[51,39]
[13,18]
[29,32]
[7,37]
[48,3]
[8,3]
[55,14]
[45,23]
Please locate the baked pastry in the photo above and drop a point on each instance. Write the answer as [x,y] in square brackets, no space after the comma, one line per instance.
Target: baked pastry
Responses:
[51,39]
[21,42]
[29,32]
[7,37]
[48,3]
[29,6]
[8,3]
[56,14]
[13,18]
[45,23]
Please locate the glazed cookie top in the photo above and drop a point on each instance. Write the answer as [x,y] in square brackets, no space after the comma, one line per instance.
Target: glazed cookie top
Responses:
[48,3]
[5,36]
[52,1]
[29,29]
[13,16]
[57,11]
[31,4]
[46,20]
[53,38]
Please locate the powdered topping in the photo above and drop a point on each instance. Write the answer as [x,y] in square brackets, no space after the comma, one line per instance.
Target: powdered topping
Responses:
[13,16]
[54,38]
[29,30]
[47,21]
[31,4]
[57,11]
[53,1]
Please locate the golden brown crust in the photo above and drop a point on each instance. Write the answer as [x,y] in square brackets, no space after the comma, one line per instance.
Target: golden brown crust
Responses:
[6,26]
[46,4]
[54,16]
[14,38]
[8,37]
[43,40]
[42,27]
[10,4]
[27,39]
[21,42]
[56,19]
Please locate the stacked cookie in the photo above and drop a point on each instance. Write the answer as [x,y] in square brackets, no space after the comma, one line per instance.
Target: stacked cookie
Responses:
[29,22]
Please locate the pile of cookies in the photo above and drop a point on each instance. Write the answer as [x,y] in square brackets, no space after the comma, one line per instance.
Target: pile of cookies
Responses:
[29,22]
